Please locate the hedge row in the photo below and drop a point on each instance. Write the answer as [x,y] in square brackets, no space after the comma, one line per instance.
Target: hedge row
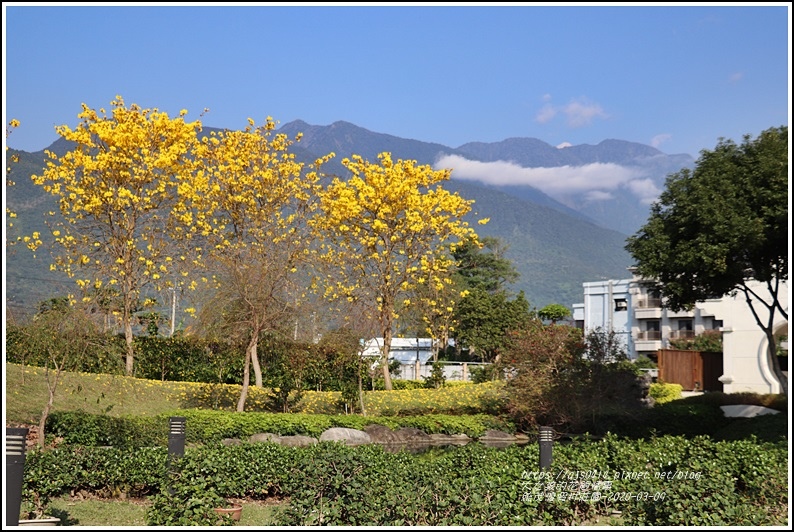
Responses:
[670,480]
[210,426]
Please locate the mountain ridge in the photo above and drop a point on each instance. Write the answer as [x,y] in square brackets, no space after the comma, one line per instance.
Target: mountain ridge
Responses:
[555,246]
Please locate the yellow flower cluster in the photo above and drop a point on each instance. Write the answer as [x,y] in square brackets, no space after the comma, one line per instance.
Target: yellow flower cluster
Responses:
[460,398]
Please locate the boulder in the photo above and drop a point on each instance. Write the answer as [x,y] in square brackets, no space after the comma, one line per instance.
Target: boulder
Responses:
[348,436]
[381,434]
[264,437]
[449,439]
[411,434]
[497,435]
[231,441]
[297,441]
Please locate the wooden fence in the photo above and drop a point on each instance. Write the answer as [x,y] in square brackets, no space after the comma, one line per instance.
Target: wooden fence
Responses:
[693,370]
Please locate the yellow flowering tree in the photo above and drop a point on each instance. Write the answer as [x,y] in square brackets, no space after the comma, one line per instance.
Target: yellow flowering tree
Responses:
[437,296]
[124,193]
[10,215]
[379,230]
[258,244]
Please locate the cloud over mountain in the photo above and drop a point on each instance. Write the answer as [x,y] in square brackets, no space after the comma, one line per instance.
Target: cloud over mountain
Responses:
[594,181]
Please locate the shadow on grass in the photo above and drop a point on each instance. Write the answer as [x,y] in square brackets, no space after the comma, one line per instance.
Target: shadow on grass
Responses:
[702,415]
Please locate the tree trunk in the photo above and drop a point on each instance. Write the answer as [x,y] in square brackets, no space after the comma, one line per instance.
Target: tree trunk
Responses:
[48,407]
[361,389]
[129,340]
[246,376]
[255,361]
[384,360]
[774,361]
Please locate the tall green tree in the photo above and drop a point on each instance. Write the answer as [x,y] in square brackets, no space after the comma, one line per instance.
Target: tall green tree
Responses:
[483,264]
[722,228]
[487,311]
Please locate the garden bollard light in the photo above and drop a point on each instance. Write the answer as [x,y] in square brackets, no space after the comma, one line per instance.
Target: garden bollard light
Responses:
[546,440]
[176,442]
[16,439]
[176,436]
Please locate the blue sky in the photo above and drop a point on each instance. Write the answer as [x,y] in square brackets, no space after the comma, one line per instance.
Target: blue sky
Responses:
[677,77]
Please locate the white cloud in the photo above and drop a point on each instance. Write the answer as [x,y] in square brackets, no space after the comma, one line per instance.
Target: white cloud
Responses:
[593,180]
[578,113]
[598,195]
[658,140]
[645,190]
[736,77]
[581,113]
[546,113]
[564,145]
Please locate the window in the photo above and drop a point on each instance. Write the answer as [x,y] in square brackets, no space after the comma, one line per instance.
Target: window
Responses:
[621,304]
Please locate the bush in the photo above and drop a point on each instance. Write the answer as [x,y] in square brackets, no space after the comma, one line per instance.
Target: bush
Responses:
[560,379]
[663,392]
[186,500]
[436,378]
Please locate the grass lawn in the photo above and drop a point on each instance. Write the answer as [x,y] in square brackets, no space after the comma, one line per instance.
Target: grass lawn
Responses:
[132,512]
[26,394]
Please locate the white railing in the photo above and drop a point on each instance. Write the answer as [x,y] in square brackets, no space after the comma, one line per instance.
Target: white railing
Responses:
[649,335]
[649,302]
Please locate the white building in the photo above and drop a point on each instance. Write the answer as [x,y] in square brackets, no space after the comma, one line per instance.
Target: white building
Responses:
[631,310]
[406,350]
[415,357]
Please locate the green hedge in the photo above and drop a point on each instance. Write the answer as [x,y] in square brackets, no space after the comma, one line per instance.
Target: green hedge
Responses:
[671,480]
[208,426]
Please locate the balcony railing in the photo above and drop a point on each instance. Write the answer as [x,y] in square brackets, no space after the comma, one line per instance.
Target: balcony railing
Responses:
[649,302]
[649,335]
[683,333]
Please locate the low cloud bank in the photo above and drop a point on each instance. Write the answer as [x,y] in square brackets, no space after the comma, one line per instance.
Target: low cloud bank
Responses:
[593,182]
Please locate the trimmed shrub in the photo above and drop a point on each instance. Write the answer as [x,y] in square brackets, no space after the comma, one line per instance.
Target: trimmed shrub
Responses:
[663,392]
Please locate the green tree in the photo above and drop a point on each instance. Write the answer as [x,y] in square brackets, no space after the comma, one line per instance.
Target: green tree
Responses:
[65,335]
[554,312]
[487,311]
[722,228]
[483,265]
[484,320]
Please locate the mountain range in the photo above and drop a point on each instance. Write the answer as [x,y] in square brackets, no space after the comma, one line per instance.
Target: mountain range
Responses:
[564,212]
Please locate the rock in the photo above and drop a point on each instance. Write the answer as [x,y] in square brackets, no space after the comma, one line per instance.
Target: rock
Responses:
[447,439]
[231,441]
[264,437]
[411,434]
[297,441]
[381,434]
[348,436]
[497,435]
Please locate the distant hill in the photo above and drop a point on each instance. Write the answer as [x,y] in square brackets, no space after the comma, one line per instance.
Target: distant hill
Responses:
[555,246]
